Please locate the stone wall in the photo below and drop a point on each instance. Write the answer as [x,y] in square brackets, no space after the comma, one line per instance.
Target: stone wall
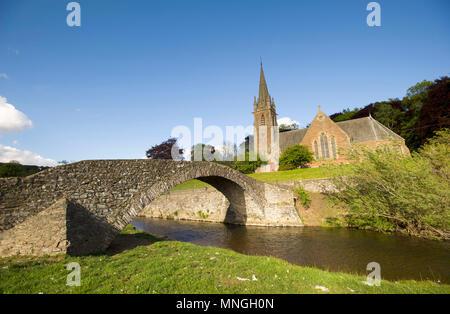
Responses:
[200,204]
[62,228]
[323,185]
[210,205]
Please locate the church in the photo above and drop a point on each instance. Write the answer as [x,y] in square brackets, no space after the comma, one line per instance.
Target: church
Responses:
[330,142]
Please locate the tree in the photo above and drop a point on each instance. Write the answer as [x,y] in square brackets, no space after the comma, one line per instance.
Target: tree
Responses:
[244,166]
[434,115]
[166,150]
[207,152]
[295,156]
[12,169]
[387,114]
[288,127]
[389,193]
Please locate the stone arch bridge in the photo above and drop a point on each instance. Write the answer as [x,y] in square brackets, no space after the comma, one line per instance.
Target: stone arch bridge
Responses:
[81,207]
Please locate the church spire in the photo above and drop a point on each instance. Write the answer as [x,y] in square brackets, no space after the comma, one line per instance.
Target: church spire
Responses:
[264,96]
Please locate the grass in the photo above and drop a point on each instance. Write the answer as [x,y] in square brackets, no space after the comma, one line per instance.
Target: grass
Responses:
[176,267]
[131,230]
[190,185]
[294,175]
[278,176]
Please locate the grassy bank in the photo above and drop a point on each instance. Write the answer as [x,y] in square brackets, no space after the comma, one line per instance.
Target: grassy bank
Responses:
[176,267]
[278,176]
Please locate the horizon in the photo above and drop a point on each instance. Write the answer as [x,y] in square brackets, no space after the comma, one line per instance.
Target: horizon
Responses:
[134,70]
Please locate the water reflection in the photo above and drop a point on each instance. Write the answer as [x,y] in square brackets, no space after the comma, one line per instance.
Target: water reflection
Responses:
[400,257]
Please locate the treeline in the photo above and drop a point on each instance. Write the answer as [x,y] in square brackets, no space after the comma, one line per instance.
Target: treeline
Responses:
[15,169]
[423,111]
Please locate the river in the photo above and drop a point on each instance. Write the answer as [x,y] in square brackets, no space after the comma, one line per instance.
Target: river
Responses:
[334,249]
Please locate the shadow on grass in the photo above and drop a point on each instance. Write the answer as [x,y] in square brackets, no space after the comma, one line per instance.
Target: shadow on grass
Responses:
[129,239]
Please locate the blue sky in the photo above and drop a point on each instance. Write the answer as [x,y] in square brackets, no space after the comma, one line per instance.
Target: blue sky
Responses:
[135,69]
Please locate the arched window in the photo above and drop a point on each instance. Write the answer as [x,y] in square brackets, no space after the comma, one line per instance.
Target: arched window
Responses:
[324,146]
[333,147]
[316,150]
[263,120]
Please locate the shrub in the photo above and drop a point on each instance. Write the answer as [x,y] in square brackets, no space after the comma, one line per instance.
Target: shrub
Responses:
[388,193]
[286,167]
[245,166]
[304,197]
[296,156]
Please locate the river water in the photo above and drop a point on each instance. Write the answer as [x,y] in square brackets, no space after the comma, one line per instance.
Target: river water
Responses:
[334,249]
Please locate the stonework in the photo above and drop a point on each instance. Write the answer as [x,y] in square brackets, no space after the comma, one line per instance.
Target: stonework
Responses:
[112,192]
[63,228]
[265,126]
[209,205]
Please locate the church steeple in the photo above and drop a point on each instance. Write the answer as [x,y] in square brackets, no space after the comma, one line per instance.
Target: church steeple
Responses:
[264,100]
[264,118]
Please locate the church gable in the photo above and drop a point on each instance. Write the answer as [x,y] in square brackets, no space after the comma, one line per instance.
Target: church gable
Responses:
[325,138]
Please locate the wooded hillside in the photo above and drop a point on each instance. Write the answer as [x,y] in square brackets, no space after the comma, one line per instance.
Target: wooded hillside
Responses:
[423,110]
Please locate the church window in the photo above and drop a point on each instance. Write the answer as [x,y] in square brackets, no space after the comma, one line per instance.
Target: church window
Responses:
[316,150]
[333,147]
[263,120]
[324,146]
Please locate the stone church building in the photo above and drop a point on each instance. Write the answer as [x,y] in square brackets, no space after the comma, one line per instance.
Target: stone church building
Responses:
[330,141]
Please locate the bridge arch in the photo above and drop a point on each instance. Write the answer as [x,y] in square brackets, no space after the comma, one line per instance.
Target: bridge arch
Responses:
[241,191]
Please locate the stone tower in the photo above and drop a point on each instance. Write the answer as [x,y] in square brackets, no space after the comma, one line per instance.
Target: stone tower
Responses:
[265,118]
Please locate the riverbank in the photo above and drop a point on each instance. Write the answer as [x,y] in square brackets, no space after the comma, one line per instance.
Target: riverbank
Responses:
[177,267]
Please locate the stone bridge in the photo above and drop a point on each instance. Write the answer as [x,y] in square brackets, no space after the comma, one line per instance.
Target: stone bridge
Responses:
[81,207]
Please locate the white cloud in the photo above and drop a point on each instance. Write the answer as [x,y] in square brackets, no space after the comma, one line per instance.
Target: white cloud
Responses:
[287,121]
[11,119]
[4,75]
[25,157]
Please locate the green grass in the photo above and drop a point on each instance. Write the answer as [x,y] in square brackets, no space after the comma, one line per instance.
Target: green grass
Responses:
[131,230]
[176,267]
[294,175]
[279,176]
[190,185]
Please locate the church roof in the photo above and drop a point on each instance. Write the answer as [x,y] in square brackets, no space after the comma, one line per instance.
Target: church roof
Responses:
[291,138]
[359,130]
[367,129]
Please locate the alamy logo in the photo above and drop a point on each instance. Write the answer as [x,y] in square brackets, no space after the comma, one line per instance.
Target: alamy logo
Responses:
[74,17]
[374,278]
[374,17]
[74,278]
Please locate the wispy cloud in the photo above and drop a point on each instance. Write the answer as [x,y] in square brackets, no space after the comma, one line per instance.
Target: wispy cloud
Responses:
[4,75]
[11,119]
[15,51]
[25,157]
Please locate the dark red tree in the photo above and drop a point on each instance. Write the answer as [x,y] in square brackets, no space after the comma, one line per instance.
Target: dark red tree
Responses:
[435,114]
[164,150]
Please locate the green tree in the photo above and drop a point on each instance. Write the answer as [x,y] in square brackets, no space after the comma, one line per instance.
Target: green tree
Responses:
[387,114]
[295,156]
[207,152]
[12,169]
